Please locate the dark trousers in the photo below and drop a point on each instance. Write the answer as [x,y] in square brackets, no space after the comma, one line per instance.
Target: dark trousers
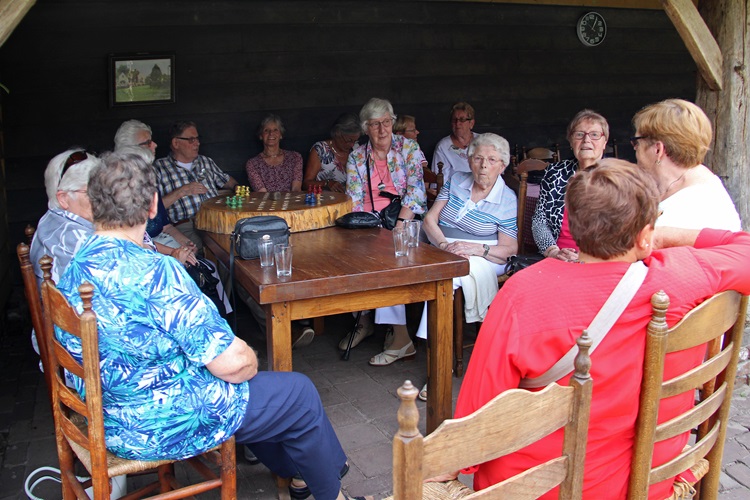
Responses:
[287,428]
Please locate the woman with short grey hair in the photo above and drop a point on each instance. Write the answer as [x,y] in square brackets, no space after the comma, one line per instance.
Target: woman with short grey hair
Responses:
[135,133]
[326,164]
[274,169]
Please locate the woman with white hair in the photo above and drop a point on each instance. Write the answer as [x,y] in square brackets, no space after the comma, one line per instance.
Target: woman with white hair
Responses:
[135,133]
[387,165]
[67,223]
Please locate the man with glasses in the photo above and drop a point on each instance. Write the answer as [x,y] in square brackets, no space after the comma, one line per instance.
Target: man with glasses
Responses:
[186,179]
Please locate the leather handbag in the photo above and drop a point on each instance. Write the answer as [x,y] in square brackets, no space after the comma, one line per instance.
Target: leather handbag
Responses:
[519,262]
[248,231]
[358,220]
[204,274]
[389,215]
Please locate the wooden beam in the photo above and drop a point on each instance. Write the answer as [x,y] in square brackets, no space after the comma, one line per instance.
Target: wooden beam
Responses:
[594,4]
[11,13]
[698,40]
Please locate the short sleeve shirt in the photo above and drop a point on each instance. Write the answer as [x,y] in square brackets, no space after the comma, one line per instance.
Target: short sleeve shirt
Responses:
[157,332]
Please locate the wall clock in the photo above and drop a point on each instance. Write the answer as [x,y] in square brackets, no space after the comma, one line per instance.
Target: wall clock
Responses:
[591,29]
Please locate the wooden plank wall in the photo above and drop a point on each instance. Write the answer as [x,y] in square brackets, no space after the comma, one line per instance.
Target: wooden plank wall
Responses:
[521,66]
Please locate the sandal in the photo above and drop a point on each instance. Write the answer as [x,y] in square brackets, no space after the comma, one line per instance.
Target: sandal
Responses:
[302,492]
[389,356]
[423,393]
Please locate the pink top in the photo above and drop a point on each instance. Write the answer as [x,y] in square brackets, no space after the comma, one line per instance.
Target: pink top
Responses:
[565,240]
[380,174]
[274,178]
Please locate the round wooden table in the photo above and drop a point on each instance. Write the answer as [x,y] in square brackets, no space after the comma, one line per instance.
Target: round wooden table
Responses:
[217,217]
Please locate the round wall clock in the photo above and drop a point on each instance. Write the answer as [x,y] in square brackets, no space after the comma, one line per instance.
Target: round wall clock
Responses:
[591,29]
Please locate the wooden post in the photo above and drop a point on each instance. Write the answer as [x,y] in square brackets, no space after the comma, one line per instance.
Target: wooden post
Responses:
[407,447]
[729,156]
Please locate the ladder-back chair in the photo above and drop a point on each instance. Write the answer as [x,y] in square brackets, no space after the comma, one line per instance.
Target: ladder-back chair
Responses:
[431,178]
[82,439]
[717,324]
[512,420]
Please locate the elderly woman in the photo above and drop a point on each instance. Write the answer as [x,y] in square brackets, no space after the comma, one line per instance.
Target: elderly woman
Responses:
[671,139]
[406,125]
[134,136]
[588,132]
[453,149]
[386,165]
[274,169]
[153,319]
[326,164]
[532,322]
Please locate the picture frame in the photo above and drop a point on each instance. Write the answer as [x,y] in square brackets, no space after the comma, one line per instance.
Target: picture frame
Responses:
[139,79]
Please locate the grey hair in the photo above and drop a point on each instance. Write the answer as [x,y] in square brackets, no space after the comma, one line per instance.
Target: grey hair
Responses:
[374,108]
[346,124]
[271,118]
[144,153]
[121,190]
[493,140]
[76,177]
[588,115]
[125,135]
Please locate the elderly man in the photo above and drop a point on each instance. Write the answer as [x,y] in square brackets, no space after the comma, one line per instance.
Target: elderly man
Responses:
[186,179]
[134,133]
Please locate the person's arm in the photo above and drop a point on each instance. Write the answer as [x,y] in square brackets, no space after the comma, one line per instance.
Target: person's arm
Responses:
[297,179]
[254,177]
[431,226]
[313,168]
[540,222]
[666,237]
[236,364]
[415,200]
[188,189]
[179,237]
[230,183]
[506,246]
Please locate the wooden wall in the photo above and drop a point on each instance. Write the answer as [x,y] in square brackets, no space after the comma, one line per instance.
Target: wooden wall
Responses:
[521,66]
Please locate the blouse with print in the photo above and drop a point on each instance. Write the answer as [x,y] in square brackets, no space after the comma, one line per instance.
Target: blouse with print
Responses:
[278,178]
[547,219]
[330,169]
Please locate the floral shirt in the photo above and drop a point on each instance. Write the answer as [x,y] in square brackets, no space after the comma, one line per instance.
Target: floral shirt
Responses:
[59,234]
[405,166]
[330,170]
[157,331]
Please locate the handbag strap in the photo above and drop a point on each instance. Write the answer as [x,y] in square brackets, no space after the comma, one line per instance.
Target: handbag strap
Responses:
[368,188]
[610,312]
[232,291]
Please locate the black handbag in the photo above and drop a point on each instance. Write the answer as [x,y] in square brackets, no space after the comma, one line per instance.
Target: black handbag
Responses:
[389,215]
[358,220]
[203,275]
[248,231]
[519,262]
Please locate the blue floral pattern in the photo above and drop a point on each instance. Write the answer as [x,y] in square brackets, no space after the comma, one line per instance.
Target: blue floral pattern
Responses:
[157,331]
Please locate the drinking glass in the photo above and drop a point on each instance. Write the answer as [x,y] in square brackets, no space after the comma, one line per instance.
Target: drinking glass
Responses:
[265,251]
[413,228]
[283,254]
[400,241]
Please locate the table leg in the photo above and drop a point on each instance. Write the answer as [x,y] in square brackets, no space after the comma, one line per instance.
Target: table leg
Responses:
[279,337]
[440,341]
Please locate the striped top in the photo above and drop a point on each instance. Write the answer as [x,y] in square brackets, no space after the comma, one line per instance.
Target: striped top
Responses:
[492,215]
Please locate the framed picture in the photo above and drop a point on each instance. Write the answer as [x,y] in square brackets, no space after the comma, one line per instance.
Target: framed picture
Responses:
[139,79]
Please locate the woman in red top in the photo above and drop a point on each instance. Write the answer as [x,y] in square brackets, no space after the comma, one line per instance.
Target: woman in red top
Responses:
[534,321]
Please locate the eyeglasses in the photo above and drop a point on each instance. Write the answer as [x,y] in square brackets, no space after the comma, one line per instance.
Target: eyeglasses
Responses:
[191,140]
[147,143]
[479,160]
[461,120]
[387,123]
[410,130]
[594,136]
[634,140]
[75,158]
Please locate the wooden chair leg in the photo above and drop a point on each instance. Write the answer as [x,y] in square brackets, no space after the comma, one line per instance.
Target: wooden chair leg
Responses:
[319,325]
[458,333]
[228,471]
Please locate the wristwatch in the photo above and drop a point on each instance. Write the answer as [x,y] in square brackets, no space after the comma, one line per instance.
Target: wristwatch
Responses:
[486,250]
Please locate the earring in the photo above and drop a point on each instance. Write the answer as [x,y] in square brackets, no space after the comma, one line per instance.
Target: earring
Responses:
[658,162]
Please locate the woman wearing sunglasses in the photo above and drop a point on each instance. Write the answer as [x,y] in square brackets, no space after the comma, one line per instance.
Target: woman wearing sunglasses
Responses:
[588,132]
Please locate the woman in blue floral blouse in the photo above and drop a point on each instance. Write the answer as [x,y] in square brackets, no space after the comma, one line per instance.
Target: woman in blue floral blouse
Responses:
[385,165]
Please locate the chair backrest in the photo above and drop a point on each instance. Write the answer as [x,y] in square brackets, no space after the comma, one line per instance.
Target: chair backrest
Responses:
[34,300]
[66,402]
[526,204]
[431,178]
[542,153]
[511,421]
[717,323]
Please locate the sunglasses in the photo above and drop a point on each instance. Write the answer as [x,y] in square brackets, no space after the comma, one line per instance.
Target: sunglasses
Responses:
[75,158]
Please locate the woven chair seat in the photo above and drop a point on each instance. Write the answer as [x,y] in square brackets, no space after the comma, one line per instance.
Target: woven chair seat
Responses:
[683,490]
[448,490]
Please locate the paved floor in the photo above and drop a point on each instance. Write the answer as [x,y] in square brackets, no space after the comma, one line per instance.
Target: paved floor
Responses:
[360,400]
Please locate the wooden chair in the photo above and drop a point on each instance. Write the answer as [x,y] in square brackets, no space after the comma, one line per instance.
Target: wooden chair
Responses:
[542,153]
[83,440]
[431,178]
[34,301]
[526,207]
[717,323]
[511,421]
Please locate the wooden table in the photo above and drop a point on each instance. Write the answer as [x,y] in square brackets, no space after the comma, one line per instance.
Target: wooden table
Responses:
[337,270]
[218,217]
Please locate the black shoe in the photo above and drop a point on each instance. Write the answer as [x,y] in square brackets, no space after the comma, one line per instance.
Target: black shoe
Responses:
[250,457]
[304,492]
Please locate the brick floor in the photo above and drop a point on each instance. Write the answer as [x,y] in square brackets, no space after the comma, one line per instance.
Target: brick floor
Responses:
[360,400]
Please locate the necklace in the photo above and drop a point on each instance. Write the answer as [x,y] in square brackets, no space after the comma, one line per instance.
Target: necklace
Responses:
[675,181]
[266,155]
[381,184]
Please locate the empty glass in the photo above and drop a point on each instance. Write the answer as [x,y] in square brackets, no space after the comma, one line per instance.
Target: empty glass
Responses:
[413,227]
[283,254]
[400,241]
[265,251]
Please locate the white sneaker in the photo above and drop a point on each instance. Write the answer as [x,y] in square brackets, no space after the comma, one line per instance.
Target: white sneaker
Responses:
[361,332]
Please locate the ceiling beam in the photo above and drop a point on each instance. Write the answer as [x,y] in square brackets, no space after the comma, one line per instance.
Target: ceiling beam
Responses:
[610,4]
[11,13]
[698,40]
